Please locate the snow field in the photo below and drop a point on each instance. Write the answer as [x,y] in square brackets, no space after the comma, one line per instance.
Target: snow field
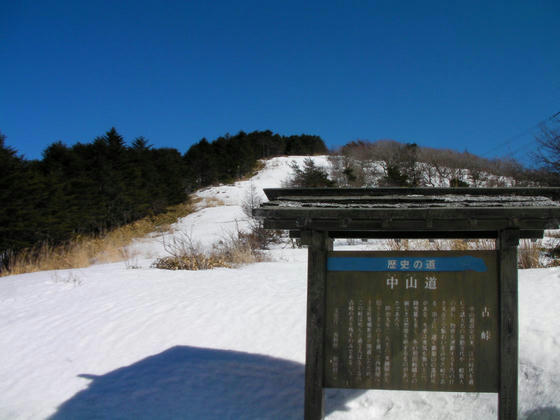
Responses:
[111,342]
[51,332]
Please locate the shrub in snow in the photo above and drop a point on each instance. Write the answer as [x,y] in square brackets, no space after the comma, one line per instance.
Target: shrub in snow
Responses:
[190,262]
[233,250]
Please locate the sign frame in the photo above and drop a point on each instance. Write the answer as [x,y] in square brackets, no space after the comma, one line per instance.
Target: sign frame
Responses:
[320,244]
[412,320]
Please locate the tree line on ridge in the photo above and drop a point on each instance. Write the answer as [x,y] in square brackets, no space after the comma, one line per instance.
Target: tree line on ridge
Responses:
[90,188]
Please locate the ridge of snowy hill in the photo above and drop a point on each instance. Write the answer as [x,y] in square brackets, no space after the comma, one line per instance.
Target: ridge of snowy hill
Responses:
[220,208]
[112,342]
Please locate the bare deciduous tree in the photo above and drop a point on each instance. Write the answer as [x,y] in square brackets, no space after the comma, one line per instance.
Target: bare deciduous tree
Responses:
[548,153]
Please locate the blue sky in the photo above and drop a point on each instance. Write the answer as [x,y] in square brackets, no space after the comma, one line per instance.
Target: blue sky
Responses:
[462,75]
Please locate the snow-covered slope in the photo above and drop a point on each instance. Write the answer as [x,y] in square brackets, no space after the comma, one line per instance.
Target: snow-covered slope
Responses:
[110,342]
[220,208]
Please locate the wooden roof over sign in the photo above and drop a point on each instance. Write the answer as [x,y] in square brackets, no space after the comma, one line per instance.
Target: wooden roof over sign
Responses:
[412,212]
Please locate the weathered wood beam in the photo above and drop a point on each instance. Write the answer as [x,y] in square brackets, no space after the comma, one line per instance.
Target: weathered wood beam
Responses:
[273,193]
[541,213]
[417,224]
[411,201]
[319,245]
[509,330]
[523,234]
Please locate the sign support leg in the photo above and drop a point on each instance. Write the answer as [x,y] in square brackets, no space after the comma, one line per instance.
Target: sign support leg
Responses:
[509,335]
[319,244]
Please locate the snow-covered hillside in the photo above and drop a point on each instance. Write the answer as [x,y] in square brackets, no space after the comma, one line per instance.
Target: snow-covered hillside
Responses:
[221,208]
[113,342]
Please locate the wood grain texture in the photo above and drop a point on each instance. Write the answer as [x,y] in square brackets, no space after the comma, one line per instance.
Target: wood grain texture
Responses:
[274,193]
[509,329]
[364,234]
[418,210]
[316,283]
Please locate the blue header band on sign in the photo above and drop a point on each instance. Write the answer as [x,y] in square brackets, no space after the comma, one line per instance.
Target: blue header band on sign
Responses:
[463,263]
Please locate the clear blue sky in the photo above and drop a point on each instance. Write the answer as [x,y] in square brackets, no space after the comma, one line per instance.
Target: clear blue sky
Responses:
[463,75]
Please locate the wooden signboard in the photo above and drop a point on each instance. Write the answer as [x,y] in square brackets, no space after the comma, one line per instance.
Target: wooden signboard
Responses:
[412,321]
[441,321]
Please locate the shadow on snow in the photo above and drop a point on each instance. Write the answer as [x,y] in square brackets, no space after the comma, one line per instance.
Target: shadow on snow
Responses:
[197,383]
[543,413]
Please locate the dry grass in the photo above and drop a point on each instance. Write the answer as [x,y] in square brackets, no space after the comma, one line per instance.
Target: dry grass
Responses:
[259,166]
[440,244]
[238,248]
[163,221]
[73,254]
[398,244]
[529,254]
[83,251]
[553,233]
[205,202]
[191,262]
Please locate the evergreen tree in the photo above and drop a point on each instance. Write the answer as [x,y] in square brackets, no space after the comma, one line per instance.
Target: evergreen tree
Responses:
[21,193]
[93,187]
[311,176]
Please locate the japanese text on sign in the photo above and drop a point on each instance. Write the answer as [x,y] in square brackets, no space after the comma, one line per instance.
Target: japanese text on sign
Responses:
[428,329]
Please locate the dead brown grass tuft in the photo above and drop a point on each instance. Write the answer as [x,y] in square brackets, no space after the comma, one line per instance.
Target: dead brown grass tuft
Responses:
[529,254]
[397,244]
[191,262]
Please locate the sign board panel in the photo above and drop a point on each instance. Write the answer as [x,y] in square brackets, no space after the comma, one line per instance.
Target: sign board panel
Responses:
[422,320]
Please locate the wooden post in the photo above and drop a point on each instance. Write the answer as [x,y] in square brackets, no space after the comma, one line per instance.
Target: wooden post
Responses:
[509,335]
[319,244]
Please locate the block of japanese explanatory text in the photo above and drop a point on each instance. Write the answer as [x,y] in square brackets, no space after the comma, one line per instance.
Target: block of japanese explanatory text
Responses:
[417,320]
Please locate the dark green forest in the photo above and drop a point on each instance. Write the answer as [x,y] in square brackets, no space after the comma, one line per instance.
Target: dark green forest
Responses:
[89,188]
